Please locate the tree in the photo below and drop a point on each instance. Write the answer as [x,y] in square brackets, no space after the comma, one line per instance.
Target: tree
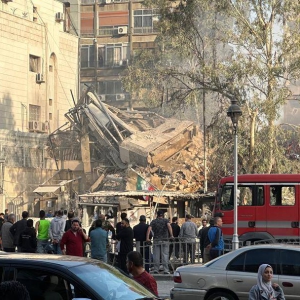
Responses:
[242,49]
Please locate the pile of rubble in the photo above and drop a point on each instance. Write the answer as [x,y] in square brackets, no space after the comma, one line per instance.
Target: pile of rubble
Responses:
[144,150]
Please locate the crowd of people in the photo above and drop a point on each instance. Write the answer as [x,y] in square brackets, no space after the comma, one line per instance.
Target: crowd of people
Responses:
[65,236]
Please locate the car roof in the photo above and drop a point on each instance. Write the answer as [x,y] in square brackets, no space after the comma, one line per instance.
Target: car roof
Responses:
[60,260]
[273,245]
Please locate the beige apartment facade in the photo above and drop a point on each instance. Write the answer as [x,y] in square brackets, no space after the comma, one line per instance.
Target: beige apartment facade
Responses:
[38,66]
[38,70]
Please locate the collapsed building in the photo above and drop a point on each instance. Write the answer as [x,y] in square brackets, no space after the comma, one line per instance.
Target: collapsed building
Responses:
[129,158]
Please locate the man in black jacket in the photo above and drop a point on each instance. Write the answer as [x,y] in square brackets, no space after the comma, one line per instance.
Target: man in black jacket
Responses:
[27,240]
[176,231]
[18,227]
[139,233]
[125,237]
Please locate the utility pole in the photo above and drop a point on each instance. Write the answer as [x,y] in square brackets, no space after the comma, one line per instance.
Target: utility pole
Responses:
[130,41]
[95,41]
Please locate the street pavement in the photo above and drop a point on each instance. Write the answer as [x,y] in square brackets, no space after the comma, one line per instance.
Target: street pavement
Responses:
[164,284]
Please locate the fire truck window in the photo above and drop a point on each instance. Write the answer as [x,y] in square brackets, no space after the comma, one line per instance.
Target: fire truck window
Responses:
[227,198]
[282,195]
[245,196]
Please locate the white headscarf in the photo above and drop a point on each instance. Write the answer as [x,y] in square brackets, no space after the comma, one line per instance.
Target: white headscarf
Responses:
[265,286]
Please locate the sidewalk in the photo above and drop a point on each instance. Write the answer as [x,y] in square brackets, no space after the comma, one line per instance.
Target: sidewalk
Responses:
[164,284]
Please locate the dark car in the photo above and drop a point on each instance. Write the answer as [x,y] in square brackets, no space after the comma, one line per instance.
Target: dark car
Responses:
[59,277]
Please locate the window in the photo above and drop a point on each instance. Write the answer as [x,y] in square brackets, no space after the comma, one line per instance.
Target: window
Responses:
[113,54]
[87,56]
[248,195]
[250,261]
[34,63]
[34,112]
[46,285]
[145,21]
[282,195]
[290,262]
[110,87]
[50,116]
[50,68]
[50,102]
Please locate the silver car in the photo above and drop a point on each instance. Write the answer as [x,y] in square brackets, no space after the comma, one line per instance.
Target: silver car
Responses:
[231,276]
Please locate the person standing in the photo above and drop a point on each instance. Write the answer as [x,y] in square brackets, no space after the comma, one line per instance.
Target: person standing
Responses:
[6,235]
[69,221]
[73,239]
[56,231]
[6,214]
[65,215]
[188,234]
[134,265]
[140,234]
[42,229]
[205,243]
[27,241]
[176,231]
[204,225]
[99,241]
[18,227]
[265,289]
[119,226]
[106,225]
[161,230]
[1,223]
[125,237]
[49,214]
[215,236]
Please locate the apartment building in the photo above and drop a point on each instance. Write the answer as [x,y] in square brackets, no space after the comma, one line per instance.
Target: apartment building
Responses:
[38,65]
[38,69]
[111,31]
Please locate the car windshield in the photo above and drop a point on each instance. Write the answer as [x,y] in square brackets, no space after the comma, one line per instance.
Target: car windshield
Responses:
[109,283]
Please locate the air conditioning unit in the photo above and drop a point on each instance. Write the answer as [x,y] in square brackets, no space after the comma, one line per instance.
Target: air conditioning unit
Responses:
[102,97]
[124,62]
[34,126]
[39,78]
[120,97]
[45,127]
[108,1]
[122,29]
[59,17]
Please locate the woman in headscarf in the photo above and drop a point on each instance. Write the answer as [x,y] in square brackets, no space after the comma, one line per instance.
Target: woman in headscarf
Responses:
[264,289]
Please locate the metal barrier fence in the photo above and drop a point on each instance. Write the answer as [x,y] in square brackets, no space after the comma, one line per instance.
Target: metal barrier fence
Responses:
[171,252]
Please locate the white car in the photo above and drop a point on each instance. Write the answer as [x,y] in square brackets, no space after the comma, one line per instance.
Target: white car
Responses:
[231,276]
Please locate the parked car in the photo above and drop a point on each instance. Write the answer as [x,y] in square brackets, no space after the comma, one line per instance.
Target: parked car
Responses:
[59,277]
[231,276]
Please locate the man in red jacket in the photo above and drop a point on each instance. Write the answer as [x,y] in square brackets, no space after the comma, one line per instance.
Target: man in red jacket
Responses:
[73,239]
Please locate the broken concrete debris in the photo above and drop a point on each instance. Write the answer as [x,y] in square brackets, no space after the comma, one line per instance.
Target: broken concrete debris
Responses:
[134,150]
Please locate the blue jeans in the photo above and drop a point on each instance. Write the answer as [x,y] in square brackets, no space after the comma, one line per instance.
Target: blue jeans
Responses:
[41,244]
[56,248]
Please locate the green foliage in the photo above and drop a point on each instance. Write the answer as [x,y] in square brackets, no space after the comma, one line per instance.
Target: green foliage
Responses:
[242,49]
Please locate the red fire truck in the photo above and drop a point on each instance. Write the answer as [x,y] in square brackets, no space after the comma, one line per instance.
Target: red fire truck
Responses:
[268,206]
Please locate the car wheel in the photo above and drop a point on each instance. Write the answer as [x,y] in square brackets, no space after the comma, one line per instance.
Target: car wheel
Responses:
[221,296]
